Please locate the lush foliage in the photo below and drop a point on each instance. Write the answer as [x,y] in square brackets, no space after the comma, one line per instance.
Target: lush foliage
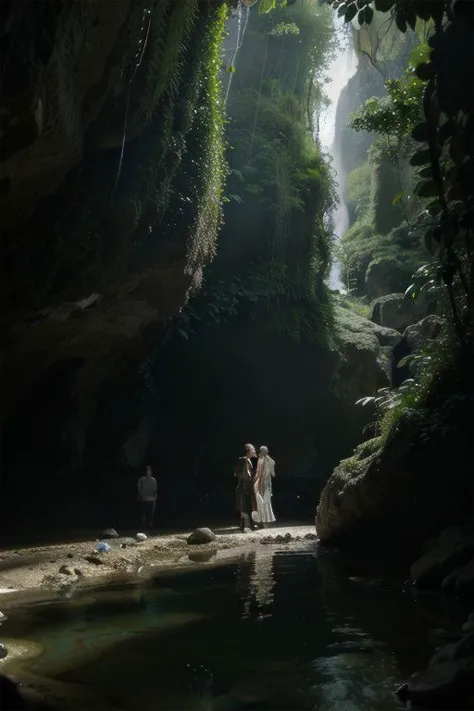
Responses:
[279,187]
[444,160]
[397,113]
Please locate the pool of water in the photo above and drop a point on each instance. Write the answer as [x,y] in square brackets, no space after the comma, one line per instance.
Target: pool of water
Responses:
[267,630]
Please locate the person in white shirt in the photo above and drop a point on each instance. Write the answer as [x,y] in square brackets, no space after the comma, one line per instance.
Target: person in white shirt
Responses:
[147,491]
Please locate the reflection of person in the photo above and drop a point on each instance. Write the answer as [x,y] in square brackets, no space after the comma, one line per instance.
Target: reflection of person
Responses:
[245,495]
[263,486]
[147,490]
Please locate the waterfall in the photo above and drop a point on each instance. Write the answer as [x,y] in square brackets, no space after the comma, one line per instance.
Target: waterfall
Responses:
[236,27]
[342,67]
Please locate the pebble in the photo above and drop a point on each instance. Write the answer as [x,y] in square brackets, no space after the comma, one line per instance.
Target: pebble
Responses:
[93,559]
[66,570]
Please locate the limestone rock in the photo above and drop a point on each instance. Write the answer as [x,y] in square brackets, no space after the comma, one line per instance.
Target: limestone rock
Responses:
[109,533]
[201,535]
[449,685]
[460,581]
[418,334]
[431,569]
[361,370]
[394,311]
[379,277]
[461,649]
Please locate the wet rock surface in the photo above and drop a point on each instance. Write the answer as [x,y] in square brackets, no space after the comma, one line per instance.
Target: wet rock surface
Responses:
[200,536]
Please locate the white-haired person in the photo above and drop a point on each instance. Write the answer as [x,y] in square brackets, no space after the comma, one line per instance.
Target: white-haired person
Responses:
[263,487]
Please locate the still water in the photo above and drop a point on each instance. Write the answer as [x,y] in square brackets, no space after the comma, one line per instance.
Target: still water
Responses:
[268,630]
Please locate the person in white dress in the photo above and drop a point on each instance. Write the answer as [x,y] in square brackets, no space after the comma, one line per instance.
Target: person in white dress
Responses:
[263,487]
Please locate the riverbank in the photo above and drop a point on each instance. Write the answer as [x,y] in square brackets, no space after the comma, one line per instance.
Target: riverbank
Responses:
[57,566]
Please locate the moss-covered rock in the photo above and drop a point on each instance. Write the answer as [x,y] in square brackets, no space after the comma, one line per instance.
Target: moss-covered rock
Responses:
[397,496]
[364,354]
[395,311]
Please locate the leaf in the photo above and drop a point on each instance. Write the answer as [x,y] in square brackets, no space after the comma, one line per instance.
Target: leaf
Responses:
[384,5]
[265,6]
[426,189]
[351,12]
[409,290]
[431,241]
[368,15]
[183,334]
[401,21]
[426,172]
[406,360]
[424,71]
[398,197]
[422,9]
[410,16]
[434,207]
[420,158]
[364,401]
[420,133]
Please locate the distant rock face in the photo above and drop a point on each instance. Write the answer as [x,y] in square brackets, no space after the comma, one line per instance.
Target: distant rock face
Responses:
[201,535]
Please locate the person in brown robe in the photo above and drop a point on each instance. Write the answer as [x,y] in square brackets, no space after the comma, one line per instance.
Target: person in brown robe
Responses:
[245,501]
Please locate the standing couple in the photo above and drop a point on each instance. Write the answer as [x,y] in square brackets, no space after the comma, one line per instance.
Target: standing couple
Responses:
[253,496]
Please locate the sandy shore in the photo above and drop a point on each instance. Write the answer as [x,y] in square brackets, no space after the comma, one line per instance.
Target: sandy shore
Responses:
[53,567]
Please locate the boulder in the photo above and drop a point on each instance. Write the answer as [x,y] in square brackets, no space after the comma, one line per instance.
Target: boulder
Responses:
[393,311]
[361,369]
[200,536]
[386,336]
[379,277]
[460,581]
[141,537]
[461,649]
[395,496]
[423,331]
[449,685]
[10,696]
[109,533]
[431,569]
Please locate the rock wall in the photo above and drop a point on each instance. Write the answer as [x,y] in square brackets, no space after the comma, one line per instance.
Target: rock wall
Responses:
[111,176]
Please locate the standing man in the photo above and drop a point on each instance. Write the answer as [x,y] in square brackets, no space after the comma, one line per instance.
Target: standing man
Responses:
[147,490]
[245,501]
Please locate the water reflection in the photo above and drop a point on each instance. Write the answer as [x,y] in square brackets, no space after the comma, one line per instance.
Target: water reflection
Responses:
[276,630]
[255,583]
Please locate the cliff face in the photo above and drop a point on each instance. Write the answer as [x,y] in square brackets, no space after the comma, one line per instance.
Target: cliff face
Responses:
[111,177]
[414,480]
